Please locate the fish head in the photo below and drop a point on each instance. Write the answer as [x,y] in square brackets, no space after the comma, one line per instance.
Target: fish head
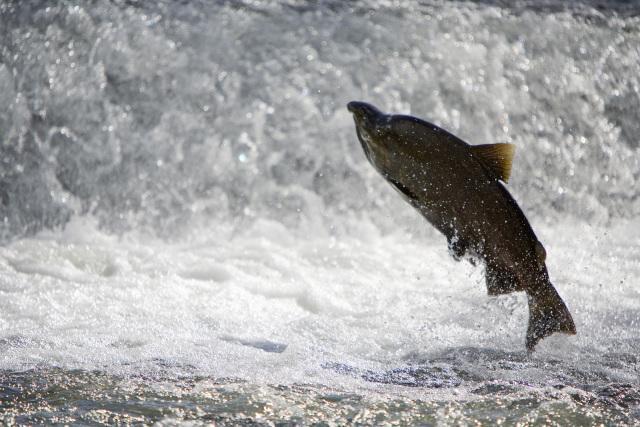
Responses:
[370,122]
[372,127]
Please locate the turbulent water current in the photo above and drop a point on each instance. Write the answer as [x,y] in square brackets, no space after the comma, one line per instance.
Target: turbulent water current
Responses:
[190,231]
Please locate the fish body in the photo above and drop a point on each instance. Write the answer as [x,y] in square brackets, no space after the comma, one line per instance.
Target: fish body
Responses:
[457,187]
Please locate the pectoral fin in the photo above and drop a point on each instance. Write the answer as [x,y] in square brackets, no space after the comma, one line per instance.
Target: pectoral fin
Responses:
[407,194]
[497,158]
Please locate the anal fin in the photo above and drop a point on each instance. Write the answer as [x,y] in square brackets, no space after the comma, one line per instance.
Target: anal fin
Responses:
[500,281]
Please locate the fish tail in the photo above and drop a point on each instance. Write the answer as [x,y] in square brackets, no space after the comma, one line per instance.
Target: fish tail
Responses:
[547,314]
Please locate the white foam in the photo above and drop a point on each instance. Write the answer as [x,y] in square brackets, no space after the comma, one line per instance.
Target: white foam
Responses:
[280,310]
[240,232]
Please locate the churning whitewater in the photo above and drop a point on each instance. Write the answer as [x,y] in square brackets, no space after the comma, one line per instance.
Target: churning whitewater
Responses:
[190,229]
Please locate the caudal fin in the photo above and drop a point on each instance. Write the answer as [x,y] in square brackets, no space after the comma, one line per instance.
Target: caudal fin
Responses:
[547,314]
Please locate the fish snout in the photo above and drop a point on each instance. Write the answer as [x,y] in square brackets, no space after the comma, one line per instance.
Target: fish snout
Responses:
[360,108]
[353,106]
[365,115]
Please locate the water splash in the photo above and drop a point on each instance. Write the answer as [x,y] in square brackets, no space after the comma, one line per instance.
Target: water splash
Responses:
[165,116]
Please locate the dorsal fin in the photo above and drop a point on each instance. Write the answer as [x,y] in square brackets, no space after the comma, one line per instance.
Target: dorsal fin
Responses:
[495,157]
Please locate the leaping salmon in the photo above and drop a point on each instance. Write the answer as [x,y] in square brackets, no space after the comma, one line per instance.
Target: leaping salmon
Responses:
[457,188]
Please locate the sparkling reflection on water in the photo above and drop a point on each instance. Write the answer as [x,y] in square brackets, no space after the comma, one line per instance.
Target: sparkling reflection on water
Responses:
[56,396]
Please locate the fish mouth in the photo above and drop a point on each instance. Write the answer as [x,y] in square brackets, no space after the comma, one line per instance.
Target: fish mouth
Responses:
[365,115]
[368,120]
[353,106]
[361,108]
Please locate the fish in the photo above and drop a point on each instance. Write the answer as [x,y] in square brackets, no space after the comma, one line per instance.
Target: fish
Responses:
[459,189]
